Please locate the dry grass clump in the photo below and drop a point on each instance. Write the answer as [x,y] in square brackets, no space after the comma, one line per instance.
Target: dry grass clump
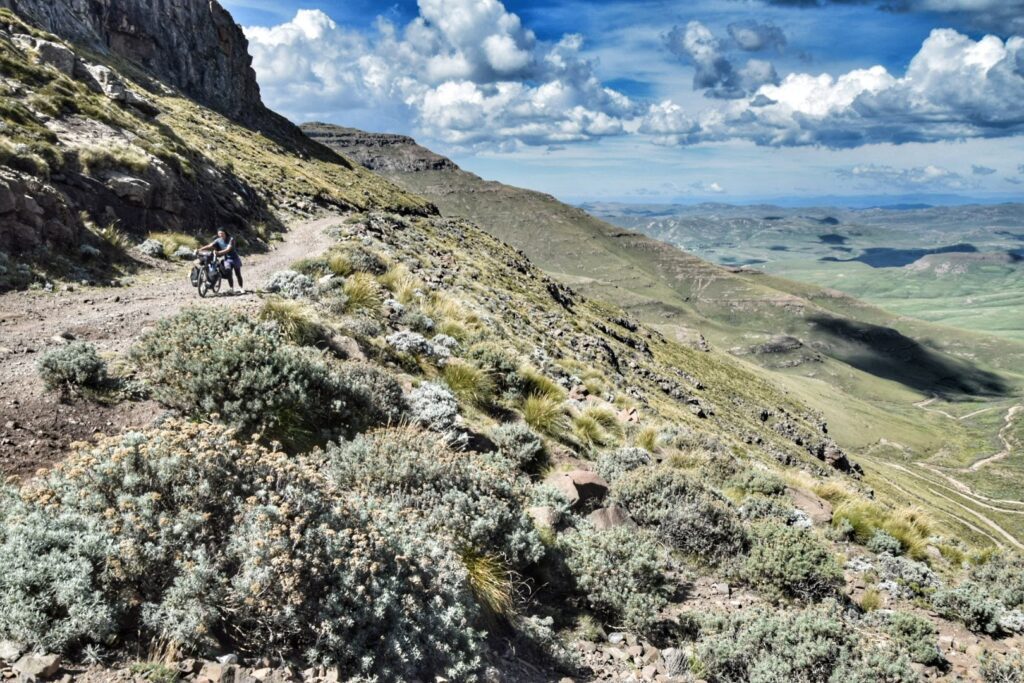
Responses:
[295,321]
[402,284]
[469,382]
[533,382]
[492,582]
[910,526]
[546,414]
[363,292]
[172,241]
[94,159]
[596,427]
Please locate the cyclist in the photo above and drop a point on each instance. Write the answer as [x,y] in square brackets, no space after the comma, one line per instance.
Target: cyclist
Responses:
[225,246]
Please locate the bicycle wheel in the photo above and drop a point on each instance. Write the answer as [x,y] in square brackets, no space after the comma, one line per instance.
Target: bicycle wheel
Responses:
[215,284]
[204,284]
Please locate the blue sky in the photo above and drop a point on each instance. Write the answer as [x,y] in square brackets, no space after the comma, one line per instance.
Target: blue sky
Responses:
[669,100]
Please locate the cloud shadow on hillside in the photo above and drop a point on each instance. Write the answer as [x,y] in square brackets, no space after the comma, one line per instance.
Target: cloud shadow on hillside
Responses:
[886,353]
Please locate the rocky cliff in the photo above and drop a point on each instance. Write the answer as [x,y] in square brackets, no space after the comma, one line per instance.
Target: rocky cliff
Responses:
[381,152]
[193,45]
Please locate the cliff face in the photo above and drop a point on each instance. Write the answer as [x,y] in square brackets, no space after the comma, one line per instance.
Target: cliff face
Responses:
[193,45]
[381,152]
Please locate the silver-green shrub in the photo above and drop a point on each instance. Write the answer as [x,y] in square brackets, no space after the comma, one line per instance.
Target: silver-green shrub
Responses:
[787,562]
[686,514]
[613,464]
[913,635]
[1003,578]
[882,542]
[758,481]
[520,444]
[619,572]
[1008,668]
[909,577]
[205,361]
[290,284]
[75,365]
[970,603]
[185,537]
[434,407]
[470,500]
[801,646]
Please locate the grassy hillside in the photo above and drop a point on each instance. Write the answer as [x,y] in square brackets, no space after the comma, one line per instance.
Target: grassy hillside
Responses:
[414,454]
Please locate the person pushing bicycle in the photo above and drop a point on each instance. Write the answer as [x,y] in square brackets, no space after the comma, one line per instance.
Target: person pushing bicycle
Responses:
[225,247]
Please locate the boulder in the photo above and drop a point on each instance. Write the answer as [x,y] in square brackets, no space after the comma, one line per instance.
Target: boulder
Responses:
[151,248]
[610,518]
[131,189]
[101,78]
[57,56]
[544,516]
[579,486]
[815,507]
[10,650]
[183,253]
[32,667]
[7,201]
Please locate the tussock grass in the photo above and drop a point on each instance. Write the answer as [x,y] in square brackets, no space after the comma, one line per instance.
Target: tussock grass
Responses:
[546,414]
[910,526]
[363,292]
[469,382]
[114,237]
[94,158]
[491,581]
[871,600]
[596,427]
[171,241]
[648,438]
[295,320]
[536,383]
[402,284]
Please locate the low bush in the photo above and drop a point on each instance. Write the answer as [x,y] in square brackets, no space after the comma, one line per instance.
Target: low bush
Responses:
[434,407]
[1007,668]
[1003,578]
[882,542]
[290,284]
[762,508]
[72,366]
[477,506]
[500,363]
[971,604]
[185,538]
[804,646]
[913,635]
[521,445]
[620,573]
[910,577]
[688,516]
[751,481]
[786,562]
[613,464]
[206,361]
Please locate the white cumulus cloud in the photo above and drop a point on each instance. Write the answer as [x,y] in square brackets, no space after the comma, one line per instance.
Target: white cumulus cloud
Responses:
[464,71]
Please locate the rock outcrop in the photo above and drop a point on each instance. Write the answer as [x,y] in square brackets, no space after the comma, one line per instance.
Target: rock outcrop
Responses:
[193,45]
[34,215]
[380,152]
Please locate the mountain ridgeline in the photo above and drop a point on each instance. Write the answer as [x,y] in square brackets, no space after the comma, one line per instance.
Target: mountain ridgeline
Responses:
[412,453]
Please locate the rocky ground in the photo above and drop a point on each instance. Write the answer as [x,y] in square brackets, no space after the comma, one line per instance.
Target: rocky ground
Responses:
[37,426]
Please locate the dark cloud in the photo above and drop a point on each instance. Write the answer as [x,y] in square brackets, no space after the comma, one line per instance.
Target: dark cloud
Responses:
[1003,17]
[714,73]
[982,170]
[753,36]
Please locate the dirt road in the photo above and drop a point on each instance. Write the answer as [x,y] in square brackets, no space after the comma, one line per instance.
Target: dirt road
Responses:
[35,427]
